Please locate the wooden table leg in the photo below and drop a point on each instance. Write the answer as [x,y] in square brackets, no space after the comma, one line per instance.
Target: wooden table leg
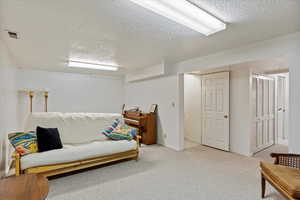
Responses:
[263,186]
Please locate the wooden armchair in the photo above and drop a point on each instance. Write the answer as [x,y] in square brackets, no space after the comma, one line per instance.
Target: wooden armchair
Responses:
[284,175]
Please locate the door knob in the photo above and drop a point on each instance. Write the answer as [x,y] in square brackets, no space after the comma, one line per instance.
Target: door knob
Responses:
[226,116]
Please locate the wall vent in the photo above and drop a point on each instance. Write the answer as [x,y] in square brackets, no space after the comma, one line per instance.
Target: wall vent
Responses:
[12,34]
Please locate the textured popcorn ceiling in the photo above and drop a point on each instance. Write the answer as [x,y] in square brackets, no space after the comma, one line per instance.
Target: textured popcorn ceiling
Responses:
[118,31]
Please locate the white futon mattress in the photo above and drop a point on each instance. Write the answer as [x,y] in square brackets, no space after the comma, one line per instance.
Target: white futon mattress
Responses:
[76,152]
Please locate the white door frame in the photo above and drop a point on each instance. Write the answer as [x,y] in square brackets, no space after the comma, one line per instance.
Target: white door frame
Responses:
[224,114]
[181,109]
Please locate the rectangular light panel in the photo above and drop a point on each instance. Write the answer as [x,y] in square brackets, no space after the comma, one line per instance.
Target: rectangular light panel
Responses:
[184,13]
[78,64]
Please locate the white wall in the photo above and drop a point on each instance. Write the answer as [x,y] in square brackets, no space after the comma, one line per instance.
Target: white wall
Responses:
[294,107]
[69,92]
[240,116]
[192,108]
[146,73]
[264,50]
[287,100]
[8,102]
[163,92]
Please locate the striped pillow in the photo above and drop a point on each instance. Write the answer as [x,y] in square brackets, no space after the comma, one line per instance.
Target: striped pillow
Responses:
[110,129]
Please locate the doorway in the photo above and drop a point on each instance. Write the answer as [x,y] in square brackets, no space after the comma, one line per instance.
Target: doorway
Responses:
[270,104]
[206,110]
[192,111]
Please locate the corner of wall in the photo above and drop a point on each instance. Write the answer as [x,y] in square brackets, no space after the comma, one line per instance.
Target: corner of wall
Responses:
[8,104]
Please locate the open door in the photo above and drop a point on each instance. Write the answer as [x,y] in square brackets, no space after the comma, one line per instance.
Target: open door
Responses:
[281,108]
[263,92]
[215,107]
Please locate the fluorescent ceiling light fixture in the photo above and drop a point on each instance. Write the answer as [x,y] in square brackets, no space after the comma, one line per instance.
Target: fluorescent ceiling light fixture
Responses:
[185,13]
[88,65]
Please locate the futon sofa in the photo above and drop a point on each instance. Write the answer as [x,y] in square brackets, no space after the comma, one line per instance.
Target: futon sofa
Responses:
[84,145]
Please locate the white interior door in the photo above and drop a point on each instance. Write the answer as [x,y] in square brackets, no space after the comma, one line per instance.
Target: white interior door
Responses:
[264,111]
[215,108]
[281,107]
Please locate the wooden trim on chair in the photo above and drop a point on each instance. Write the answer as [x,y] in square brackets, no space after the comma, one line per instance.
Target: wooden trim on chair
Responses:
[275,185]
[287,159]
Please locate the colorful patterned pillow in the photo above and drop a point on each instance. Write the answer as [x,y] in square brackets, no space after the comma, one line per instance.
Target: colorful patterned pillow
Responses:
[120,131]
[115,123]
[125,129]
[24,142]
[120,136]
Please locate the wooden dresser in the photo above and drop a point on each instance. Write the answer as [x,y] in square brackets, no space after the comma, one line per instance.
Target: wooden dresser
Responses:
[145,123]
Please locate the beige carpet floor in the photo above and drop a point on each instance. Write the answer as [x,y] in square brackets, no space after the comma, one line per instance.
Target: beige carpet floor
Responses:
[189,144]
[265,155]
[198,173]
